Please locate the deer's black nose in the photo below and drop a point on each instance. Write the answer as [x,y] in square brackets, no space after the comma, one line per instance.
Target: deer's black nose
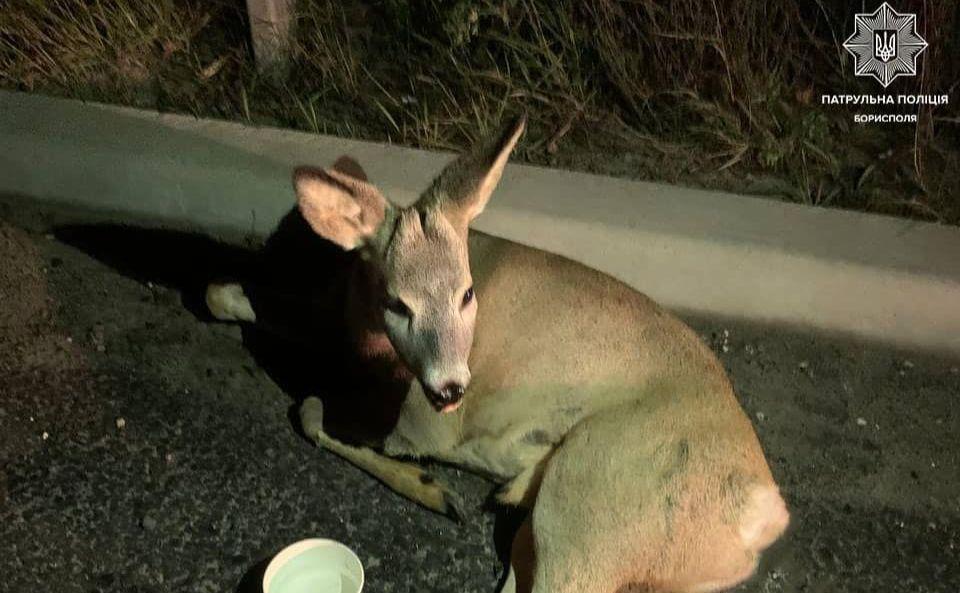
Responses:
[446,398]
[451,393]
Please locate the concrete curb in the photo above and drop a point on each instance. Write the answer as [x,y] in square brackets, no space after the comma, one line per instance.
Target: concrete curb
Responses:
[876,277]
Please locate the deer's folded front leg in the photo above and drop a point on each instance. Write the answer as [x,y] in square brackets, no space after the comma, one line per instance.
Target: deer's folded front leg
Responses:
[405,478]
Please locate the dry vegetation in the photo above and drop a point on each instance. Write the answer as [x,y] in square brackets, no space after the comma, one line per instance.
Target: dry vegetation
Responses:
[723,93]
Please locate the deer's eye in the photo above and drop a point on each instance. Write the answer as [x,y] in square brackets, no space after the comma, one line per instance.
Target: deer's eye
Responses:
[397,307]
[467,297]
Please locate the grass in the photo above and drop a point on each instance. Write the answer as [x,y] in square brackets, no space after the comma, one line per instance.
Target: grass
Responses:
[721,93]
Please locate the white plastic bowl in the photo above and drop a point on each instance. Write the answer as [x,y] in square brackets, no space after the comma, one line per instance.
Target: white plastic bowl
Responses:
[314,566]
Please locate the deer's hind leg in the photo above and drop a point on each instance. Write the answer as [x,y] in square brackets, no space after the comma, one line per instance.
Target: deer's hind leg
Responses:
[612,515]
[408,479]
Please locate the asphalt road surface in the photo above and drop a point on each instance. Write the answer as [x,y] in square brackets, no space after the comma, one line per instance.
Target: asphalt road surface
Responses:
[145,448]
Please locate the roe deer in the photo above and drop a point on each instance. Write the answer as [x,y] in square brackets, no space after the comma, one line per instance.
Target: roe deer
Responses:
[599,411]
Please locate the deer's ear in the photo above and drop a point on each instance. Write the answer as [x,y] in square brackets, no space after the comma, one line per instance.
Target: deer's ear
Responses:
[464,187]
[348,165]
[338,206]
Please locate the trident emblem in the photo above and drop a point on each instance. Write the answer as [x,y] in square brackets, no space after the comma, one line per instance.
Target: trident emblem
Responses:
[885,44]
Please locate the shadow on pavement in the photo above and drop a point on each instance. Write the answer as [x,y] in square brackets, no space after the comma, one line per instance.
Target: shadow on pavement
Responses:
[297,285]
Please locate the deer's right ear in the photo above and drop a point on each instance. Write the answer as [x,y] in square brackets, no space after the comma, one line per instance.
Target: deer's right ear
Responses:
[464,187]
[339,207]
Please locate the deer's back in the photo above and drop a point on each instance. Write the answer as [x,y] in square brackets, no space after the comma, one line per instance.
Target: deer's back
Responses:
[547,320]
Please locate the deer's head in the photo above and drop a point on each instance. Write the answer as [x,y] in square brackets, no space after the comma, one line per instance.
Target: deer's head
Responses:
[418,254]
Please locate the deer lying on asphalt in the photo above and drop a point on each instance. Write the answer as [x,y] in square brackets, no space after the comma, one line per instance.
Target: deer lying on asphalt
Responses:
[598,410]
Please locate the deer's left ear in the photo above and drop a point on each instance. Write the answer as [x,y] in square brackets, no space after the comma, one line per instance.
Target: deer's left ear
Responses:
[340,207]
[464,187]
[348,165]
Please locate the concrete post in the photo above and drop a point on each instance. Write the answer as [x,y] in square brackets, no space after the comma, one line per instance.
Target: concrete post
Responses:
[270,24]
